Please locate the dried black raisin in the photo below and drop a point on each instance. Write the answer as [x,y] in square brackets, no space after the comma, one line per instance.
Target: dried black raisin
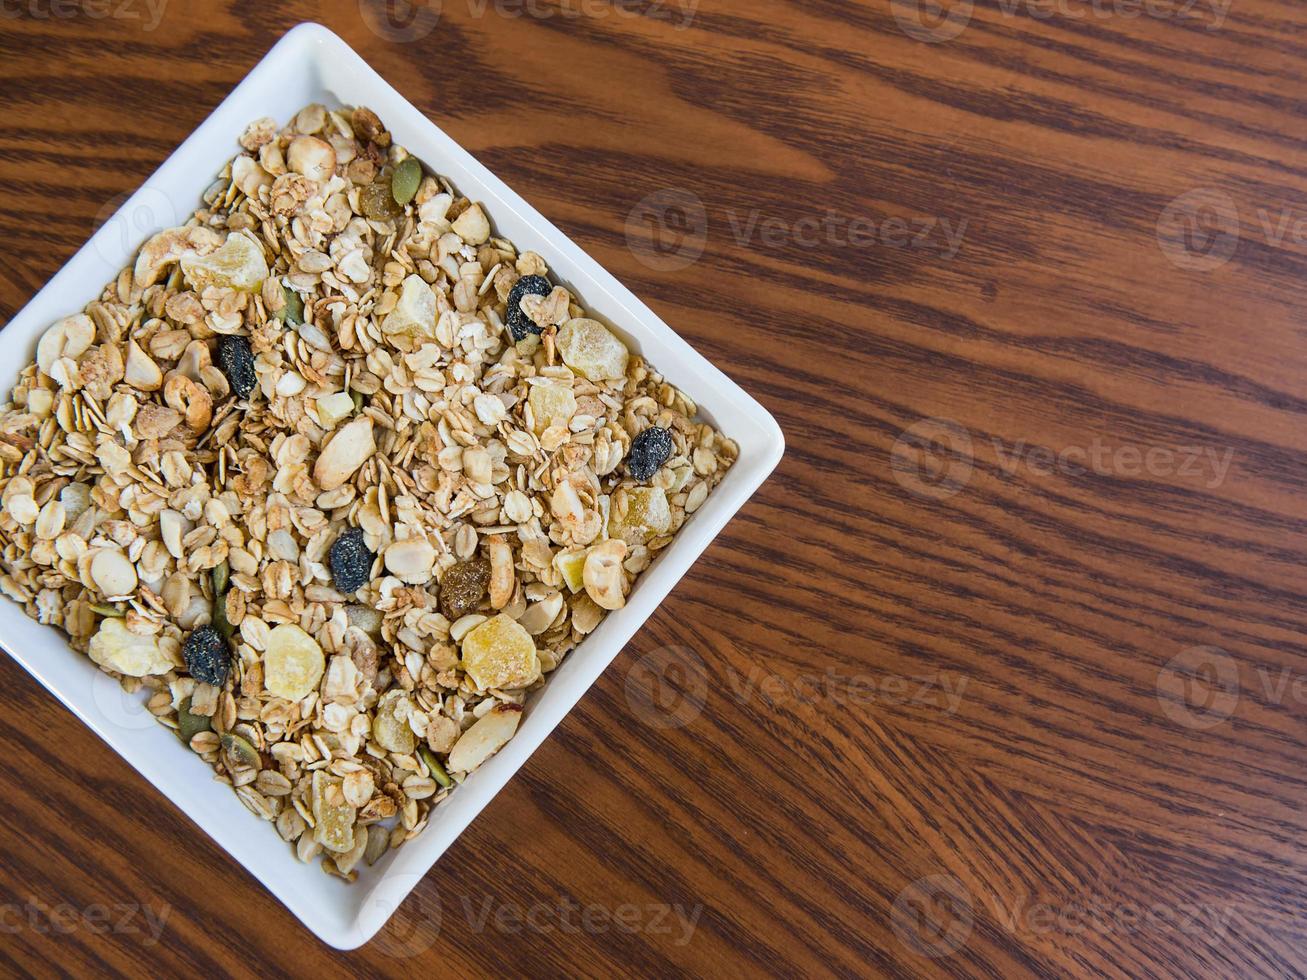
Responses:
[351,561]
[208,657]
[649,450]
[237,362]
[519,324]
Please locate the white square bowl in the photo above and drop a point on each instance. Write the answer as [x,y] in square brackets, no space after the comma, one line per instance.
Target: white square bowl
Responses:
[310,64]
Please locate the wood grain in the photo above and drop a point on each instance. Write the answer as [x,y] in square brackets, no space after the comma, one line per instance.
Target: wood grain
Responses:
[933,722]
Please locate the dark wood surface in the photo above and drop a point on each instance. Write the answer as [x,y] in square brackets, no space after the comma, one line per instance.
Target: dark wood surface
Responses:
[1006,662]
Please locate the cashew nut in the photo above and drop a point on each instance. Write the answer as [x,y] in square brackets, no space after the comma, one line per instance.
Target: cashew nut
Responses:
[194,402]
[167,247]
[194,359]
[605,581]
[69,337]
[247,175]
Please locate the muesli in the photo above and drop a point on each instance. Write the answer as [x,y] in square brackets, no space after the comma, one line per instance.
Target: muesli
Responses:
[338,477]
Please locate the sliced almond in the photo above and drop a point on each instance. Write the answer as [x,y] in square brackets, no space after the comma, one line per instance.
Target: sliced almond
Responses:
[486,737]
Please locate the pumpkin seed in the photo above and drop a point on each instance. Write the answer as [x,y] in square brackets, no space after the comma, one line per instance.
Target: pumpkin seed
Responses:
[240,753]
[189,725]
[405,180]
[437,770]
[293,312]
[221,577]
[107,610]
[220,621]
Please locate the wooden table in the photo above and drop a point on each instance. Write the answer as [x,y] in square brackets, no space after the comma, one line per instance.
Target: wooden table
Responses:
[1001,674]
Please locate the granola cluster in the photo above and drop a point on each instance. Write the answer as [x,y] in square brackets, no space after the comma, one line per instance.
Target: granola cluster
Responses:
[338,477]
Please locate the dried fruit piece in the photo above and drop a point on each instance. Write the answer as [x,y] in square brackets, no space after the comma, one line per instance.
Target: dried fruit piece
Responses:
[333,817]
[405,180]
[207,655]
[591,350]
[649,451]
[377,202]
[486,737]
[237,362]
[638,514]
[463,586]
[571,564]
[116,647]
[519,324]
[364,618]
[189,725]
[293,662]
[415,313]
[552,403]
[334,408]
[351,561]
[390,727]
[239,264]
[500,654]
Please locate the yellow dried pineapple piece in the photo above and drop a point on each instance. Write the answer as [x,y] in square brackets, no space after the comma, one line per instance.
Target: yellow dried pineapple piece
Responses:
[293,662]
[500,653]
[591,350]
[638,514]
[239,264]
